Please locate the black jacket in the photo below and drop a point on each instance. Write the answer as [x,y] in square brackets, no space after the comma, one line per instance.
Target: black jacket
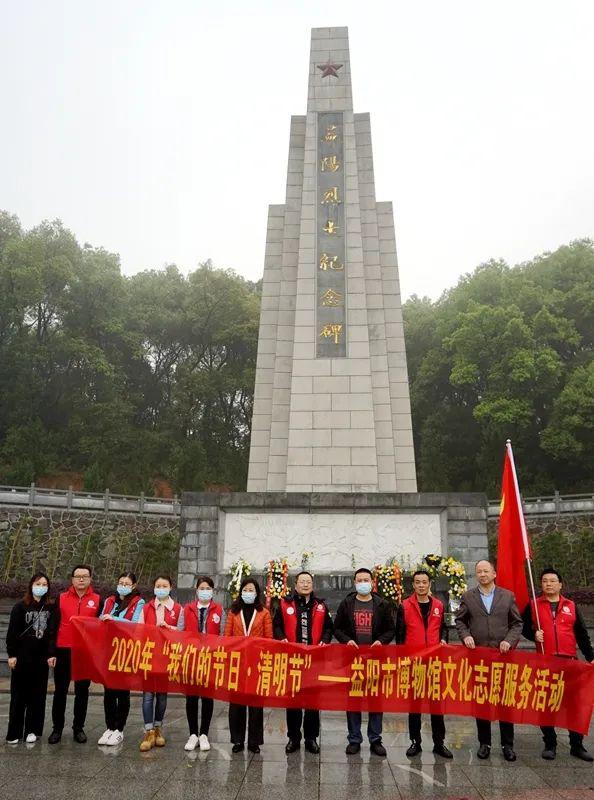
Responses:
[32,631]
[278,623]
[383,627]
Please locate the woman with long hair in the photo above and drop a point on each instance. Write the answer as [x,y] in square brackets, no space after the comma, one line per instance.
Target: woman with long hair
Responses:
[248,617]
[124,605]
[31,646]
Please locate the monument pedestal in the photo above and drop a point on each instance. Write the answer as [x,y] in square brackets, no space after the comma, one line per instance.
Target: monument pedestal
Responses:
[342,531]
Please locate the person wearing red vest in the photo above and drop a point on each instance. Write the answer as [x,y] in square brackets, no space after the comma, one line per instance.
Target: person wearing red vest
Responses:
[79,600]
[420,623]
[305,619]
[125,605]
[203,615]
[562,630]
[164,612]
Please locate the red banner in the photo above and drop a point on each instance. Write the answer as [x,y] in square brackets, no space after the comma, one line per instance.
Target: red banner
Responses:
[522,687]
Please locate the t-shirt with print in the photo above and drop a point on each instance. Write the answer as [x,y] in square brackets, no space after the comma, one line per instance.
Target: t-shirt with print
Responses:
[363,616]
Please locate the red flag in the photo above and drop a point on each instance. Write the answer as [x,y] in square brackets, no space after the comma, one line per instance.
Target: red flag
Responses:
[513,547]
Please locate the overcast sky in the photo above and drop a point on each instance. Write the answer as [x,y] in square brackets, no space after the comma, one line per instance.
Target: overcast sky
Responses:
[159,130]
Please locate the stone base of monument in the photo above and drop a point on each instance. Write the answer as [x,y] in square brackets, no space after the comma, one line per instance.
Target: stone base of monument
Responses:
[340,531]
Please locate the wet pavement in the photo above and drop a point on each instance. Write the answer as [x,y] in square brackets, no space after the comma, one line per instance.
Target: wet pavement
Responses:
[70,770]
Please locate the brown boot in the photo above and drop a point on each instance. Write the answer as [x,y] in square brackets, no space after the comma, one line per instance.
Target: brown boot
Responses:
[148,742]
[159,738]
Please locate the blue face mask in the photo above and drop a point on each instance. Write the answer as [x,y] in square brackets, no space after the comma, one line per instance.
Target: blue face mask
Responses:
[162,594]
[249,598]
[205,595]
[39,591]
[364,587]
[124,591]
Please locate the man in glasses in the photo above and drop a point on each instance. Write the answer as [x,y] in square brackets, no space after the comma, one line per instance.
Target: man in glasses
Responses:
[78,600]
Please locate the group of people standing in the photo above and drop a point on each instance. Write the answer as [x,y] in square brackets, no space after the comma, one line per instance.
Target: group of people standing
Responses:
[40,636]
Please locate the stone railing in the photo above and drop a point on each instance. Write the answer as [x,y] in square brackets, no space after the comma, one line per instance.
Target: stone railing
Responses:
[34,496]
[552,505]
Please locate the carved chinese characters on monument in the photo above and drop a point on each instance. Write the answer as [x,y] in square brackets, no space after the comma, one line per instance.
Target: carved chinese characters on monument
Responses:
[330,257]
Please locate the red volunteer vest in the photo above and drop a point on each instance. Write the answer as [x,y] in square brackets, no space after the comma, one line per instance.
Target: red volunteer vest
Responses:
[559,636]
[129,613]
[171,614]
[71,605]
[416,633]
[318,615]
[214,618]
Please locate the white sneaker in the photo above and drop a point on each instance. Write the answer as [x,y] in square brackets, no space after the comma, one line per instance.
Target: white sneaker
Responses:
[191,743]
[104,738]
[117,737]
[12,741]
[31,738]
[204,743]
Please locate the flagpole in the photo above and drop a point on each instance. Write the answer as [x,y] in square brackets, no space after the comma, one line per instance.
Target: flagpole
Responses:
[510,453]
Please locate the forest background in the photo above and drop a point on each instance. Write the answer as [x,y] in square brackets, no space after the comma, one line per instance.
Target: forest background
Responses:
[126,382]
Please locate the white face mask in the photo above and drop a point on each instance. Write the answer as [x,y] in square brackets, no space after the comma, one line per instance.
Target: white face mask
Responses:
[204,595]
[363,587]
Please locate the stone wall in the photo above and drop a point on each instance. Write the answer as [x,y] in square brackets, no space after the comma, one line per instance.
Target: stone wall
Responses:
[563,541]
[462,519]
[54,540]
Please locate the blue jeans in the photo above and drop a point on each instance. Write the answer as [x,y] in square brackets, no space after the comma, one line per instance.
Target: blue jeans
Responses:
[153,709]
[374,727]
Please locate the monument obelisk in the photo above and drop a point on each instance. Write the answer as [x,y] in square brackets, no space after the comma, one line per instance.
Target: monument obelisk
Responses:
[331,405]
[332,468]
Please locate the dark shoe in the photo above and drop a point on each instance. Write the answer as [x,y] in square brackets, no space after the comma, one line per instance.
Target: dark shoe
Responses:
[508,753]
[312,746]
[237,747]
[292,746]
[414,749]
[581,753]
[54,737]
[484,751]
[352,748]
[79,736]
[254,748]
[549,753]
[378,748]
[442,750]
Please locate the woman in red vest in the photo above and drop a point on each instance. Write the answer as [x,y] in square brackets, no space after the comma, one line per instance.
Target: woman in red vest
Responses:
[305,619]
[203,615]
[247,617]
[125,605]
[562,630]
[420,623]
[164,612]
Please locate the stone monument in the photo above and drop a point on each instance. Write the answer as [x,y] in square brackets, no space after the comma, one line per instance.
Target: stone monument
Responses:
[331,404]
[332,468]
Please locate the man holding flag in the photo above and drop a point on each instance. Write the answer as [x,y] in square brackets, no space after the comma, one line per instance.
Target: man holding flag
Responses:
[560,632]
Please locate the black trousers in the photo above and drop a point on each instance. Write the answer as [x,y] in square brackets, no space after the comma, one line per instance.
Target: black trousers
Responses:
[192,714]
[62,683]
[310,719]
[506,732]
[437,728]
[116,704]
[237,724]
[28,690]
[549,737]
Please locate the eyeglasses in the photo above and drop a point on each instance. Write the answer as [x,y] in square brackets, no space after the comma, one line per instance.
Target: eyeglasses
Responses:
[82,577]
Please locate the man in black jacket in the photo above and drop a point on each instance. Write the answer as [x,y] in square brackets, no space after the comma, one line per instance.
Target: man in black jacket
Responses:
[305,619]
[364,618]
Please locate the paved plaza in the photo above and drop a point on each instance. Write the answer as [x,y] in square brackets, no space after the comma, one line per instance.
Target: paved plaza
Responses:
[90,772]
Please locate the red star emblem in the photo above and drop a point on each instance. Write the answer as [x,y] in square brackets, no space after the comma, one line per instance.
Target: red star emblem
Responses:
[329,68]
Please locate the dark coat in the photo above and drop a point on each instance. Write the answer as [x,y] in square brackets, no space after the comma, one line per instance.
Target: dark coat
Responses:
[504,623]
[383,626]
